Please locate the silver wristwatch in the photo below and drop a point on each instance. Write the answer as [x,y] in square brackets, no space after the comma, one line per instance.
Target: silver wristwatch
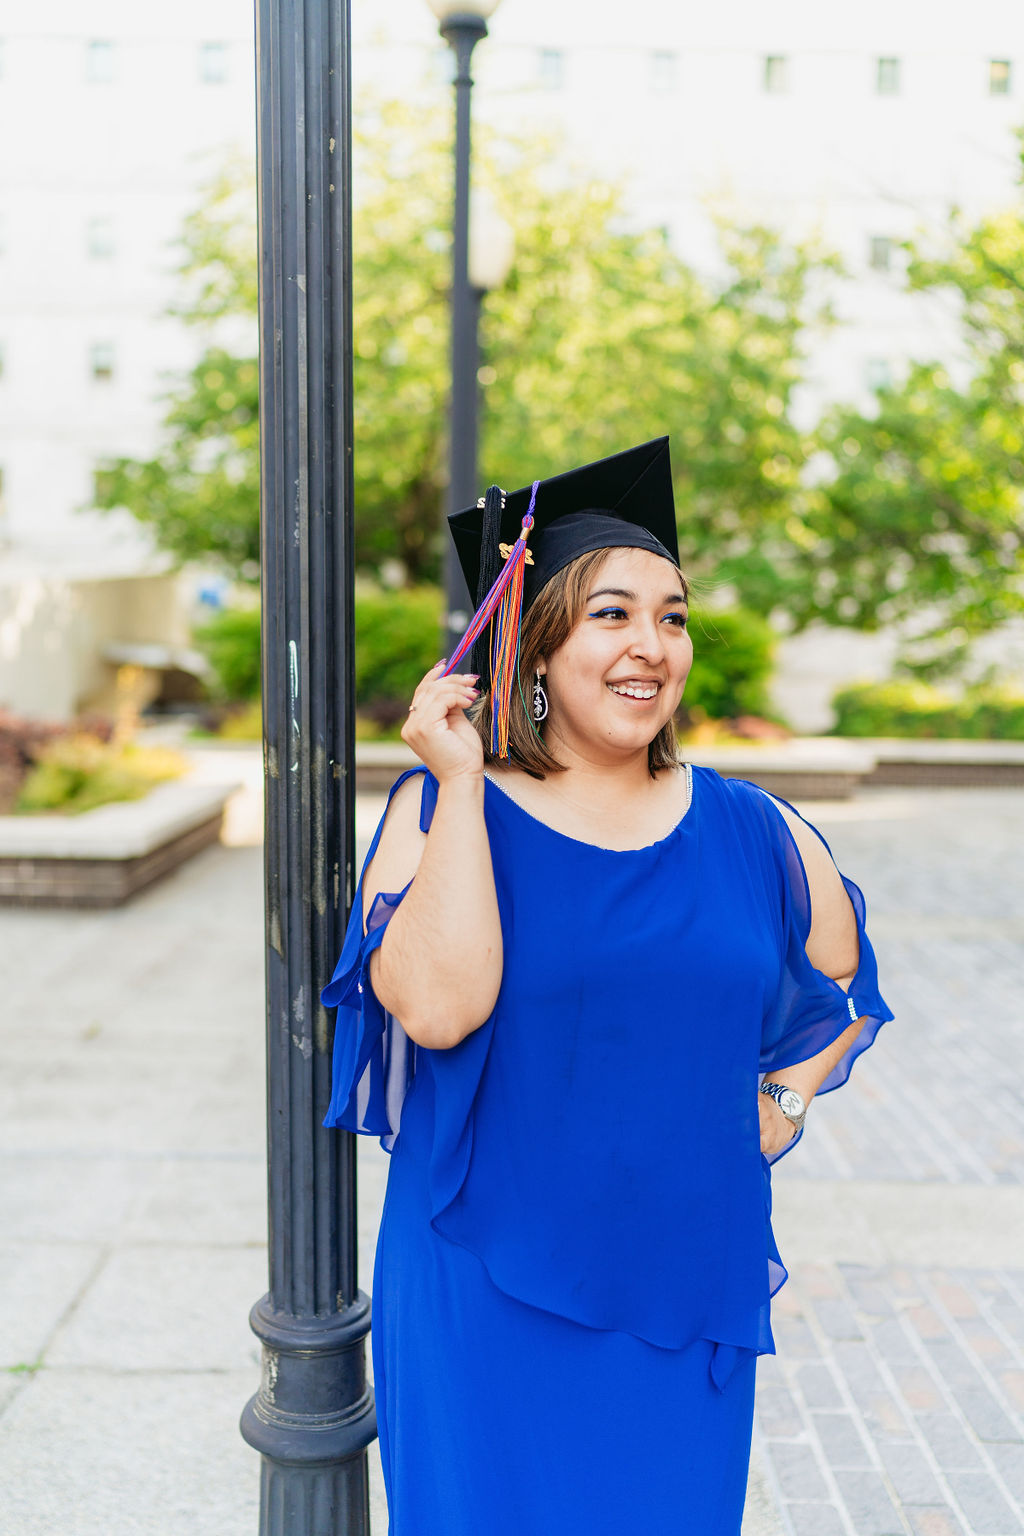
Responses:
[789,1101]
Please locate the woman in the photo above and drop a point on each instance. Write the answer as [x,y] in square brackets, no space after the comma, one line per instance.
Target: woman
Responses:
[594,952]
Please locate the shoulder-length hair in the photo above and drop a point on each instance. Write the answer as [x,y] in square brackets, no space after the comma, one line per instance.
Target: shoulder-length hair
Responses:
[547,624]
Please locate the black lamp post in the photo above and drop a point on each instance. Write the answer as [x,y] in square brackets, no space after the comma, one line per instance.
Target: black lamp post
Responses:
[313,1415]
[462,24]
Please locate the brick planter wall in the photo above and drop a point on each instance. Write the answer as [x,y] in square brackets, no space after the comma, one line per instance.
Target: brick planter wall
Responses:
[102,858]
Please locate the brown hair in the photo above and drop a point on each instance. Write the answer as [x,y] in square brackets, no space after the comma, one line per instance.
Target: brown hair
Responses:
[547,624]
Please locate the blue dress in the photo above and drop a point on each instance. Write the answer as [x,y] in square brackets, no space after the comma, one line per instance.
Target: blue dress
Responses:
[575,1261]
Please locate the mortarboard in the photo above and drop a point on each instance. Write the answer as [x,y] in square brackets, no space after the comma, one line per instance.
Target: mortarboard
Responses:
[510,545]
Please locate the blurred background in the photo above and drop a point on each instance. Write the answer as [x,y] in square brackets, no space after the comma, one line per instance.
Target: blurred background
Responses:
[790,237]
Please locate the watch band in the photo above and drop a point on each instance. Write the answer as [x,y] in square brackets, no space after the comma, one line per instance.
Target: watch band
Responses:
[789,1101]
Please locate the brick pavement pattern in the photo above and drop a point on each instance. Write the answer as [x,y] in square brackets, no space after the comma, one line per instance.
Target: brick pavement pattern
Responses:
[132,1206]
[895,1404]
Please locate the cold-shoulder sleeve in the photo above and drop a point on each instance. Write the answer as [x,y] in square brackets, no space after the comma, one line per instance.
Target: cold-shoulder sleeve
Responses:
[373,1060]
[810,1010]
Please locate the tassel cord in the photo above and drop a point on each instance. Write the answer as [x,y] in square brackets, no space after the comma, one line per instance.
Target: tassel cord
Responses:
[503,607]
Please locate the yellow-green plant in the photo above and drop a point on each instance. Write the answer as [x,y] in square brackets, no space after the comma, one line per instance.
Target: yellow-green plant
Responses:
[76,773]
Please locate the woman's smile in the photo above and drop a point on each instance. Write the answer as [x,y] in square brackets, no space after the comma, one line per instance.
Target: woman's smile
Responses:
[640,690]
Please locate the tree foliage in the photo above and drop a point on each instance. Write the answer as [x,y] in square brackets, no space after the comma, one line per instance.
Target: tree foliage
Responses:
[200,492]
[924,518]
[601,336]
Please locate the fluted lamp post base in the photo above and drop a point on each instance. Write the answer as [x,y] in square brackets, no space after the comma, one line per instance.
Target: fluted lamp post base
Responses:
[294,1421]
[294,1415]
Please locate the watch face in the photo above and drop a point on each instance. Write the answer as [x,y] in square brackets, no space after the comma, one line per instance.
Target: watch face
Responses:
[791,1103]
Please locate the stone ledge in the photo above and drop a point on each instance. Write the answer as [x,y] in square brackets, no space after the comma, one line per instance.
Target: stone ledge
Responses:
[804,768]
[946,763]
[128,829]
[103,857]
[808,768]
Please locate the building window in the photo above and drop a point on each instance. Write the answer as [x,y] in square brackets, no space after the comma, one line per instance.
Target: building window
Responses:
[663,71]
[99,239]
[213,63]
[776,74]
[999,77]
[551,68]
[878,373]
[99,61]
[887,77]
[101,361]
[880,253]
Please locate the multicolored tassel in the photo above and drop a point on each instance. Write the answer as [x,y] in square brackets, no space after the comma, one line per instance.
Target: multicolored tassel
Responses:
[503,608]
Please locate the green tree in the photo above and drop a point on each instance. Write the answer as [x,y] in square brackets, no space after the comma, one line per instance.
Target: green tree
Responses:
[600,336]
[200,492]
[924,518]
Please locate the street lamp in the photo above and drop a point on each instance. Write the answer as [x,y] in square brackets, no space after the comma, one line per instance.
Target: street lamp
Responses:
[462,24]
[312,1417]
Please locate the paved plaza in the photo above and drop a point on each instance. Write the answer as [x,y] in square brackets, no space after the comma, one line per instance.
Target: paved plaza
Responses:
[132,1220]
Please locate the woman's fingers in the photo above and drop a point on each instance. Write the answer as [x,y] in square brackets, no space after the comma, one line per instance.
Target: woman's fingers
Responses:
[436,702]
[436,727]
[452,691]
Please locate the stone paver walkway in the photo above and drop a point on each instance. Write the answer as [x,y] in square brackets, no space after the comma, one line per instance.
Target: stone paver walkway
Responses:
[132,1222]
[895,1405]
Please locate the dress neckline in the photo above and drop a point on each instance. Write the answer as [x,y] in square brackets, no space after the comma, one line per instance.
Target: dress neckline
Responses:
[583,842]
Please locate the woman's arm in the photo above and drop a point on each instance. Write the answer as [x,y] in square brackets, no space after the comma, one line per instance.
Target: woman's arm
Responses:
[832,947]
[438,967]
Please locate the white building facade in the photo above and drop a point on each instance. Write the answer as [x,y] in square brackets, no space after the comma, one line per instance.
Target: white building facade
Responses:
[863,126]
[112,115]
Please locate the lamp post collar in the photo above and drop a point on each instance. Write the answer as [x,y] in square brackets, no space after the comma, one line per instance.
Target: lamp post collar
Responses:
[463,26]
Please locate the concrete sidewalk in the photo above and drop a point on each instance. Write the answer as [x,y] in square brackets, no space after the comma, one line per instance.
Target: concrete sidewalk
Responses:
[132,1219]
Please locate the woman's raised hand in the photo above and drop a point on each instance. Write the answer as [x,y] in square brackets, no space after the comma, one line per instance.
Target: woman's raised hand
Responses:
[436,726]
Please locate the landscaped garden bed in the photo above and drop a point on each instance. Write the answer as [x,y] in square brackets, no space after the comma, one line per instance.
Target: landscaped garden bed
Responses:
[88,818]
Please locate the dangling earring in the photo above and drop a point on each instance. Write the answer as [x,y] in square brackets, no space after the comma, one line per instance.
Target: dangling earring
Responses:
[540,699]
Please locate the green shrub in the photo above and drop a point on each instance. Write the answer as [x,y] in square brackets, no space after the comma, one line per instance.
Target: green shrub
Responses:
[230,641]
[76,773]
[398,639]
[733,654]
[992,712]
[904,708]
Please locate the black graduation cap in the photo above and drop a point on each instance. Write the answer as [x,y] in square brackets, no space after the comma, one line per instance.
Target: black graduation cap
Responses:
[509,546]
[622,501]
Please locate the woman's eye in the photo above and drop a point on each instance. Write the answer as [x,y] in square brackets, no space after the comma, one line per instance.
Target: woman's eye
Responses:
[677,618]
[609,613]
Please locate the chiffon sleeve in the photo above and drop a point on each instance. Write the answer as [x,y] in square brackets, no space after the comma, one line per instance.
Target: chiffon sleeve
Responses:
[809,1010]
[373,1059]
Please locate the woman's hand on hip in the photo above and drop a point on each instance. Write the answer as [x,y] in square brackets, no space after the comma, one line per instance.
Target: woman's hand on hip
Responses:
[776,1131]
[436,727]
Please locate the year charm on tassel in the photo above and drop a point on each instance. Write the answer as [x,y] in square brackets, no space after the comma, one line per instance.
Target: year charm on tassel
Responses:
[506,550]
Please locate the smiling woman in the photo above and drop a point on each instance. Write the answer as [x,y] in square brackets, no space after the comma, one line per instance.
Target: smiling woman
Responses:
[579,963]
[576,600]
